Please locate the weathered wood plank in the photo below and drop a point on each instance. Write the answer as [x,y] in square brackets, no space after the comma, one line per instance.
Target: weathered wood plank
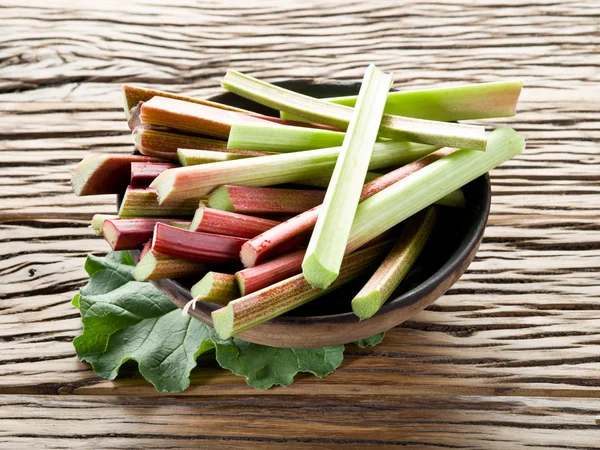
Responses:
[352,420]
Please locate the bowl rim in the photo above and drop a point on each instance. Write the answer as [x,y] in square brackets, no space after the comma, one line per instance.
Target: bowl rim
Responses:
[466,246]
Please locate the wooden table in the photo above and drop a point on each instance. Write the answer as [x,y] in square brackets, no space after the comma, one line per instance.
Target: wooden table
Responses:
[508,359]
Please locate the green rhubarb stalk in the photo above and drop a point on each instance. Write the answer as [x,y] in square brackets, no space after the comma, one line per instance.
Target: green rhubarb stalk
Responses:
[339,116]
[189,157]
[193,181]
[427,185]
[467,102]
[282,139]
[215,287]
[156,266]
[143,202]
[396,265]
[327,244]
[279,298]
[98,221]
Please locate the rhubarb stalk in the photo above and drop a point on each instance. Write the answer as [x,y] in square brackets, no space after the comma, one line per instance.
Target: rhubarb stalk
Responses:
[268,243]
[422,188]
[261,200]
[277,299]
[98,221]
[396,265]
[258,277]
[209,220]
[281,139]
[194,181]
[196,246]
[143,202]
[326,247]
[193,117]
[215,287]
[189,157]
[133,95]
[104,174]
[467,102]
[156,266]
[320,111]
[128,234]
[143,173]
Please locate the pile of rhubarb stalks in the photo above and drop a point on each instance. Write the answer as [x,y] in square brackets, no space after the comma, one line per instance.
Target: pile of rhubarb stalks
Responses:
[269,213]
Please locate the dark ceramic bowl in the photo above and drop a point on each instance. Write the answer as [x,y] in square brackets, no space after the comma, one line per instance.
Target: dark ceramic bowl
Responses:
[329,320]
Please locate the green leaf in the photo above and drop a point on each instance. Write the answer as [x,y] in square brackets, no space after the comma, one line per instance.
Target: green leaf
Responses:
[370,341]
[127,320]
[265,366]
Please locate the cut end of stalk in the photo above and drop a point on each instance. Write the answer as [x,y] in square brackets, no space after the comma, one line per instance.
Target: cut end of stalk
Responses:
[145,267]
[455,199]
[83,172]
[223,321]
[164,184]
[202,287]
[197,219]
[316,274]
[126,106]
[111,234]
[98,222]
[248,255]
[240,283]
[220,199]
[366,307]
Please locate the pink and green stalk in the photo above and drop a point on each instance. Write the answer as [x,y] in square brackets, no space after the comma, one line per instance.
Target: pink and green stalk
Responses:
[209,220]
[143,173]
[262,200]
[323,182]
[215,287]
[105,174]
[143,202]
[133,95]
[396,265]
[150,141]
[98,221]
[320,111]
[156,266]
[258,277]
[190,182]
[129,234]
[196,246]
[267,244]
[277,299]
[193,117]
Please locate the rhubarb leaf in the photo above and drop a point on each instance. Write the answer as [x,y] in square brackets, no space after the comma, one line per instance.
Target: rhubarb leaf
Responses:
[265,366]
[371,341]
[127,320]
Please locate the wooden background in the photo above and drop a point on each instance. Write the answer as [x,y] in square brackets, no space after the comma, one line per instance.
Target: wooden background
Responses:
[508,359]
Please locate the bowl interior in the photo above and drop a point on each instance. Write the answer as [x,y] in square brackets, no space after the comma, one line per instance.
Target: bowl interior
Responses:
[453,244]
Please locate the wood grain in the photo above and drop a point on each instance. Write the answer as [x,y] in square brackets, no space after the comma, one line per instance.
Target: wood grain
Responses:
[508,358]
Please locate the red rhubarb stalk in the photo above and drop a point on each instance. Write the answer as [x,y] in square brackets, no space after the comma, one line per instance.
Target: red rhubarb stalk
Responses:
[193,117]
[133,95]
[209,220]
[128,234]
[105,174]
[272,301]
[255,278]
[196,246]
[267,244]
[143,173]
[262,200]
